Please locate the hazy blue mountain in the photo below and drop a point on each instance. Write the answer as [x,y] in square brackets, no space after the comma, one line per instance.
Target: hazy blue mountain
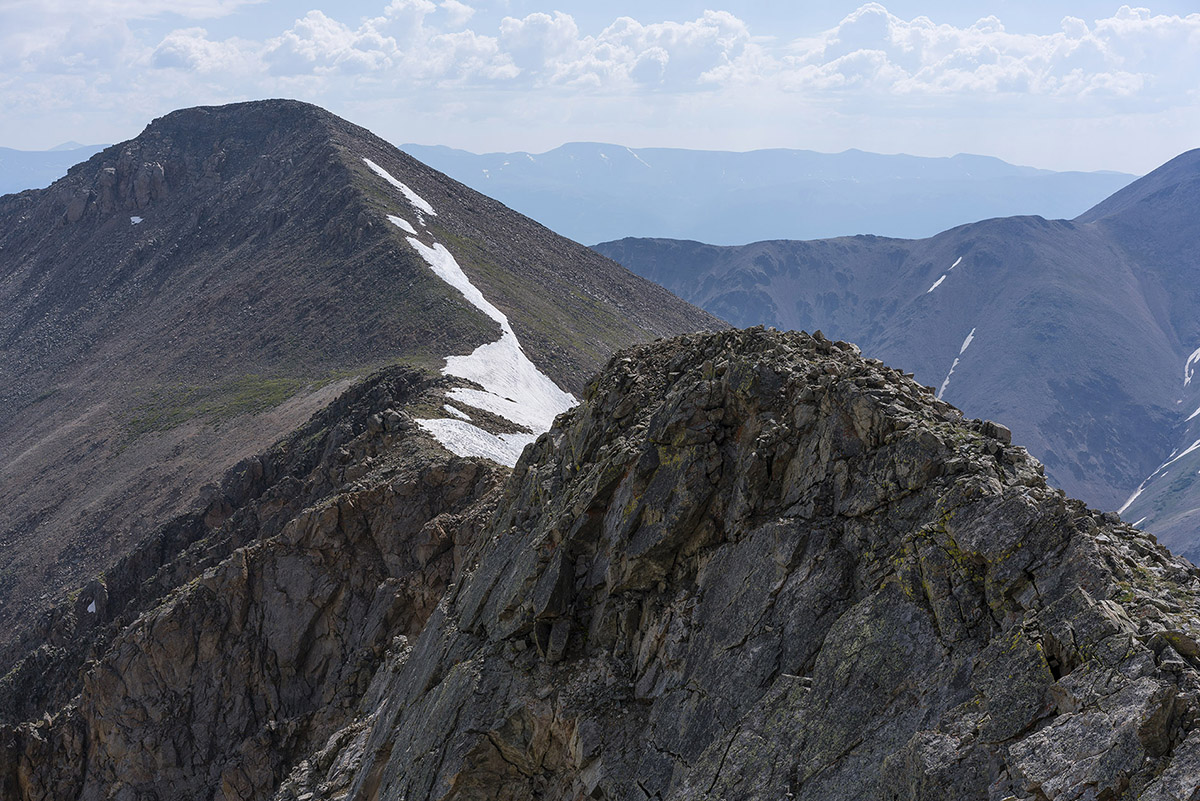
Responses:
[35,169]
[593,192]
[1082,335]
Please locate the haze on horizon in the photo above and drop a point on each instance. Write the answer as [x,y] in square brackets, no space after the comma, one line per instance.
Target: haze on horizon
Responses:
[1063,85]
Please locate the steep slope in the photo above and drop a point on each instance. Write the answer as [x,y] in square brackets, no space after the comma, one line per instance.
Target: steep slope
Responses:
[591,192]
[749,565]
[1075,333]
[182,300]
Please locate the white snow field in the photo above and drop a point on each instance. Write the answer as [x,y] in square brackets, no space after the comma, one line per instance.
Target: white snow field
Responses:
[512,386]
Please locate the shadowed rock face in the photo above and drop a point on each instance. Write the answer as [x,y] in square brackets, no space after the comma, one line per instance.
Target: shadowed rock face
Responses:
[748,565]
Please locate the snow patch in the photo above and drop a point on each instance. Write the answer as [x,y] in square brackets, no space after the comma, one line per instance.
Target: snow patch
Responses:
[1193,414]
[1187,366]
[416,200]
[946,382]
[92,607]
[135,220]
[457,412]
[936,284]
[402,224]
[1162,468]
[966,344]
[639,158]
[463,439]
[1140,521]
[1186,451]
[512,386]
[957,262]
[1132,497]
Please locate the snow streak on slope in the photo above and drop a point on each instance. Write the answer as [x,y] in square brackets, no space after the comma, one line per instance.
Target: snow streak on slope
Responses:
[416,200]
[1161,468]
[639,158]
[1188,366]
[512,386]
[457,412]
[402,224]
[966,344]
[938,282]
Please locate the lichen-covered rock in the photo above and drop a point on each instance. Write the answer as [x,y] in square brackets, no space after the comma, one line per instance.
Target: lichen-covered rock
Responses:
[754,565]
[749,565]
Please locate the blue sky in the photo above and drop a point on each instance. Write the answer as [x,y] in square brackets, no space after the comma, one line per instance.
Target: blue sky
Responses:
[1082,85]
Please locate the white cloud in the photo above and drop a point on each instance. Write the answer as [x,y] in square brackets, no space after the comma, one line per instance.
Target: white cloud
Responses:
[457,14]
[447,60]
[190,49]
[1131,58]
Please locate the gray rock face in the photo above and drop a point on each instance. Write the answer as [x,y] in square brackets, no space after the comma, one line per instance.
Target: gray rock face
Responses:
[756,566]
[749,565]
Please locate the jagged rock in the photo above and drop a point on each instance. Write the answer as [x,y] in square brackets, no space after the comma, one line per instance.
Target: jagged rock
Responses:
[749,565]
[798,576]
[235,642]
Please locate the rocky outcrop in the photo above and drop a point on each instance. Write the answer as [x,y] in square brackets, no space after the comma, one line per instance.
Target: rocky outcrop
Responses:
[235,640]
[755,565]
[749,565]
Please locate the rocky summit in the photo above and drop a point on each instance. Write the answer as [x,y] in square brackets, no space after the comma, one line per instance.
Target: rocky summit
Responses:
[748,565]
[1082,335]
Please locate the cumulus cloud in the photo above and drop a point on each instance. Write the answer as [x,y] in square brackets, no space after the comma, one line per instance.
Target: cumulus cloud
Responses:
[1132,55]
[444,56]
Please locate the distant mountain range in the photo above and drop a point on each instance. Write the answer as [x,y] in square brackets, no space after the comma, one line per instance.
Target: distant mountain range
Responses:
[593,192]
[1082,335]
[34,169]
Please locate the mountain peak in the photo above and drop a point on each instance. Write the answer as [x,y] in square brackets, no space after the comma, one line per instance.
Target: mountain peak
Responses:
[187,297]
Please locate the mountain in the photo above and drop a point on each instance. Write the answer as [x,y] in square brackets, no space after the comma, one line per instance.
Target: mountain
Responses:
[747,565]
[1081,335]
[181,301]
[593,192]
[33,169]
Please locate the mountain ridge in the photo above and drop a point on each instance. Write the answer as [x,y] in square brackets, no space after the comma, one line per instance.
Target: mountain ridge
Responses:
[749,564]
[593,191]
[181,301]
[1075,333]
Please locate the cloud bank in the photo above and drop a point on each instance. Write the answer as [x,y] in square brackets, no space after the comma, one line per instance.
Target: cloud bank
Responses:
[441,59]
